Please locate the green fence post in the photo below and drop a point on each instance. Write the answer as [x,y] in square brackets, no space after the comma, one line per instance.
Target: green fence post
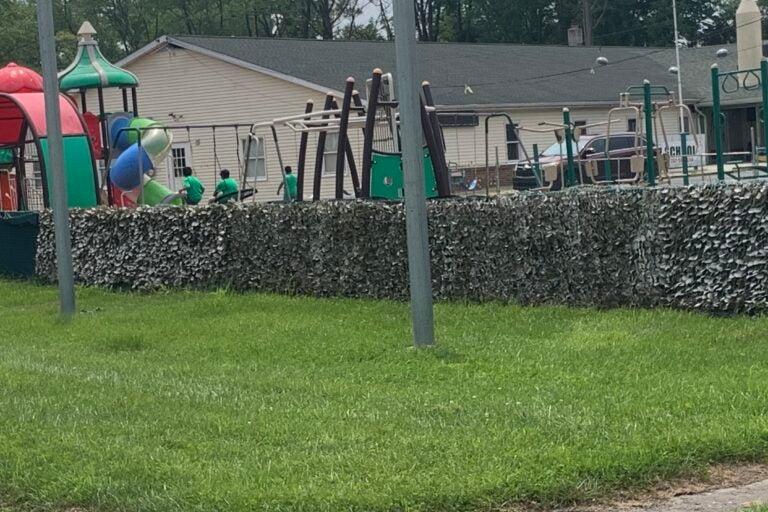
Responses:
[717,122]
[764,83]
[536,168]
[571,177]
[684,148]
[650,155]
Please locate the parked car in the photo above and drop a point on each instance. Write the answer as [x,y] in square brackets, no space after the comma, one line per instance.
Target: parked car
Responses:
[623,146]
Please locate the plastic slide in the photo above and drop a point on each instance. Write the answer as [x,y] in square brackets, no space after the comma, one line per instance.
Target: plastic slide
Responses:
[142,145]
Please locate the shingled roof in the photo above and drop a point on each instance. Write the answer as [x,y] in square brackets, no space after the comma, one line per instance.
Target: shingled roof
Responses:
[498,74]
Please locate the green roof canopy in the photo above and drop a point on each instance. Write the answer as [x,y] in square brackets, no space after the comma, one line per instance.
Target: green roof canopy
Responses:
[90,69]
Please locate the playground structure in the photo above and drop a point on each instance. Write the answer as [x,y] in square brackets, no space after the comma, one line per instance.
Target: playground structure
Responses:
[25,180]
[130,147]
[731,82]
[381,174]
[591,166]
[650,163]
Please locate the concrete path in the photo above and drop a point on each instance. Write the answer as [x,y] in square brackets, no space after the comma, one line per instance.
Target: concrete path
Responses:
[721,500]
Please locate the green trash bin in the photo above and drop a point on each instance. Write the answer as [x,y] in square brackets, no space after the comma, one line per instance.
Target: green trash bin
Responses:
[18,243]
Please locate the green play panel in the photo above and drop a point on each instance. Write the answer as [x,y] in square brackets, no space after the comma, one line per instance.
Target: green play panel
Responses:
[81,192]
[388,181]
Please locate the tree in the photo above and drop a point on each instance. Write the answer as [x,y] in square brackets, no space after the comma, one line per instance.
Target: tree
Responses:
[518,21]
[367,32]
[18,40]
[428,15]
[126,25]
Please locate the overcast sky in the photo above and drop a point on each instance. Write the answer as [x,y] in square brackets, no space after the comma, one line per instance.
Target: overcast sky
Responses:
[369,11]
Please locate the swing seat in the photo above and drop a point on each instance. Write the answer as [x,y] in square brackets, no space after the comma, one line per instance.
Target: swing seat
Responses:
[240,195]
[550,174]
[636,168]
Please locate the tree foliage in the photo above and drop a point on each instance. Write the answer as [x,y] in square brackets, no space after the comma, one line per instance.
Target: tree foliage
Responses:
[126,25]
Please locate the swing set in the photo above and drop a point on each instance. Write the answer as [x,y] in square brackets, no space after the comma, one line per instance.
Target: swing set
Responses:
[214,131]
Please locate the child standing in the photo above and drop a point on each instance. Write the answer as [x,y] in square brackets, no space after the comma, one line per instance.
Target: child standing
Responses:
[290,185]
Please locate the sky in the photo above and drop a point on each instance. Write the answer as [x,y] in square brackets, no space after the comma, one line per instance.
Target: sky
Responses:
[369,11]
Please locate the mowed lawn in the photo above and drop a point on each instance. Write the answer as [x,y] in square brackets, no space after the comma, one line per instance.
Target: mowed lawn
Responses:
[214,401]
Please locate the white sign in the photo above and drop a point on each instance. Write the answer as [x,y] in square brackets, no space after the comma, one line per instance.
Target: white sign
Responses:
[675,151]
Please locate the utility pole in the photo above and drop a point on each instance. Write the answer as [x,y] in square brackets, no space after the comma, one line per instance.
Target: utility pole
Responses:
[586,6]
[56,158]
[680,98]
[411,132]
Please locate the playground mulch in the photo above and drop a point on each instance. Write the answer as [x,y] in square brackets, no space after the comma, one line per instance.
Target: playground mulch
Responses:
[219,401]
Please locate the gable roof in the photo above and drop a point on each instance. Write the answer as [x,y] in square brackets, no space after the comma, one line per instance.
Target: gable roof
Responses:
[499,74]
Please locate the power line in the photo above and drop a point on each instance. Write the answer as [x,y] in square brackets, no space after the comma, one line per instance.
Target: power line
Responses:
[550,75]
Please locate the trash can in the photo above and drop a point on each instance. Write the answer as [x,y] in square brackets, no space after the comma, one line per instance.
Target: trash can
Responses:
[18,243]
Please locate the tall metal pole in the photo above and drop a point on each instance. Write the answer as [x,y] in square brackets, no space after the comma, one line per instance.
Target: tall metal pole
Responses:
[570,180]
[679,69]
[684,147]
[764,87]
[650,151]
[56,158]
[411,133]
[717,122]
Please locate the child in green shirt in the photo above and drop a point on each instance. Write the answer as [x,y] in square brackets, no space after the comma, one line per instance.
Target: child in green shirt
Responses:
[193,190]
[226,187]
[290,183]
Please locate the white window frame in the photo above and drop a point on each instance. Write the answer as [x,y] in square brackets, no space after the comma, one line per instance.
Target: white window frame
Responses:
[508,142]
[331,148]
[170,170]
[262,147]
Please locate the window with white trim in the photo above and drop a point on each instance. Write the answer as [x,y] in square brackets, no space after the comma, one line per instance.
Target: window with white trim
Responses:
[513,143]
[330,154]
[256,158]
[178,160]
[179,157]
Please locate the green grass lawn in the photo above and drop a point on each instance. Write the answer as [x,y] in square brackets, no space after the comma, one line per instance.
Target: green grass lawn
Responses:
[192,401]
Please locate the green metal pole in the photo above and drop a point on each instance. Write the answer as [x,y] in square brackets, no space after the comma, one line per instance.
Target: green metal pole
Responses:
[764,83]
[649,157]
[684,148]
[536,168]
[716,122]
[571,178]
